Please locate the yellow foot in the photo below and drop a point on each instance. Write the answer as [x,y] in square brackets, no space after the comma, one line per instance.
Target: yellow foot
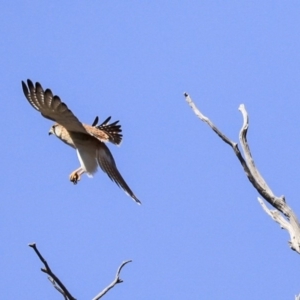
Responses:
[74,177]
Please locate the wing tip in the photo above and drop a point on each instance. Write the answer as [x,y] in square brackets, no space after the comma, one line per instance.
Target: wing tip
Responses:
[95,121]
[113,130]
[25,89]
[138,202]
[38,85]
[30,84]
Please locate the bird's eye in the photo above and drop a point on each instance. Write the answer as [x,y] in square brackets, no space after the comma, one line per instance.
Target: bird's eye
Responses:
[54,130]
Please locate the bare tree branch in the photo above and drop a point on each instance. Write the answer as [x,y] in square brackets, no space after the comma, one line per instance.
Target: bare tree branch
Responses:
[58,285]
[53,278]
[282,214]
[116,281]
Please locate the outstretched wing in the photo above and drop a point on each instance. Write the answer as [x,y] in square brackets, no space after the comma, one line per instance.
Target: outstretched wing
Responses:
[105,132]
[95,121]
[51,107]
[113,130]
[108,165]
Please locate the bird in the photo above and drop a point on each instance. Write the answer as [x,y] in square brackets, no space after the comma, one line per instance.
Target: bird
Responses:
[89,141]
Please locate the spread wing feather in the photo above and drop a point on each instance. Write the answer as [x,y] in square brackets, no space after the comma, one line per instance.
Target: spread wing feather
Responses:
[112,130]
[51,107]
[108,165]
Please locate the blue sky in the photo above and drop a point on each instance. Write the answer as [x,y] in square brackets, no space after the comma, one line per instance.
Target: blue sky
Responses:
[200,233]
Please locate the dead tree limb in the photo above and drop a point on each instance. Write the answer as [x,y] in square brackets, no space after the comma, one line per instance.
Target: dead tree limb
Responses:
[282,214]
[59,286]
[115,281]
[52,277]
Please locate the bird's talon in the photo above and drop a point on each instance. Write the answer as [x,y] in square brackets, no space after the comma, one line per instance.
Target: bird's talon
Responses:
[74,177]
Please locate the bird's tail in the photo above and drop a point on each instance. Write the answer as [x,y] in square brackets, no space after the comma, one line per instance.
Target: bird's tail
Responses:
[113,130]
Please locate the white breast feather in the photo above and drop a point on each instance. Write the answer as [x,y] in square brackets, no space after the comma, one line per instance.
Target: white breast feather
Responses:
[87,161]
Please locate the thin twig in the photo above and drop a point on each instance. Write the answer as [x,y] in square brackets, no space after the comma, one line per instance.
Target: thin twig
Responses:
[116,281]
[53,278]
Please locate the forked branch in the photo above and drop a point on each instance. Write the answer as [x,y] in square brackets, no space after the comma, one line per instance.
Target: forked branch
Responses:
[52,277]
[59,286]
[115,281]
[282,214]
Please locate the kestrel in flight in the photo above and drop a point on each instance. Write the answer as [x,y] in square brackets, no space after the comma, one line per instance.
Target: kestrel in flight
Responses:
[89,141]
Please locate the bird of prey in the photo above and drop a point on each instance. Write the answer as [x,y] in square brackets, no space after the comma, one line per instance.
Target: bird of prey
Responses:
[89,141]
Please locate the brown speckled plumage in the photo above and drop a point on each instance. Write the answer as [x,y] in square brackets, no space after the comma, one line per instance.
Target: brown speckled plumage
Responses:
[88,140]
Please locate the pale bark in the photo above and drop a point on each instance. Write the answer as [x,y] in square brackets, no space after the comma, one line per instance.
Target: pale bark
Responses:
[282,213]
[114,282]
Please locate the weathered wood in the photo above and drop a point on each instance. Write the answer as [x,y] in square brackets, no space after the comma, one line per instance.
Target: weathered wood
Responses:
[282,214]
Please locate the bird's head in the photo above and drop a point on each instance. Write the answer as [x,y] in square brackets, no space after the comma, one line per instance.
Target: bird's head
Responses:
[56,130]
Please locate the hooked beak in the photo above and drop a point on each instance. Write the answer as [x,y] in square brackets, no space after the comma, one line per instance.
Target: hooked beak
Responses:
[51,131]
